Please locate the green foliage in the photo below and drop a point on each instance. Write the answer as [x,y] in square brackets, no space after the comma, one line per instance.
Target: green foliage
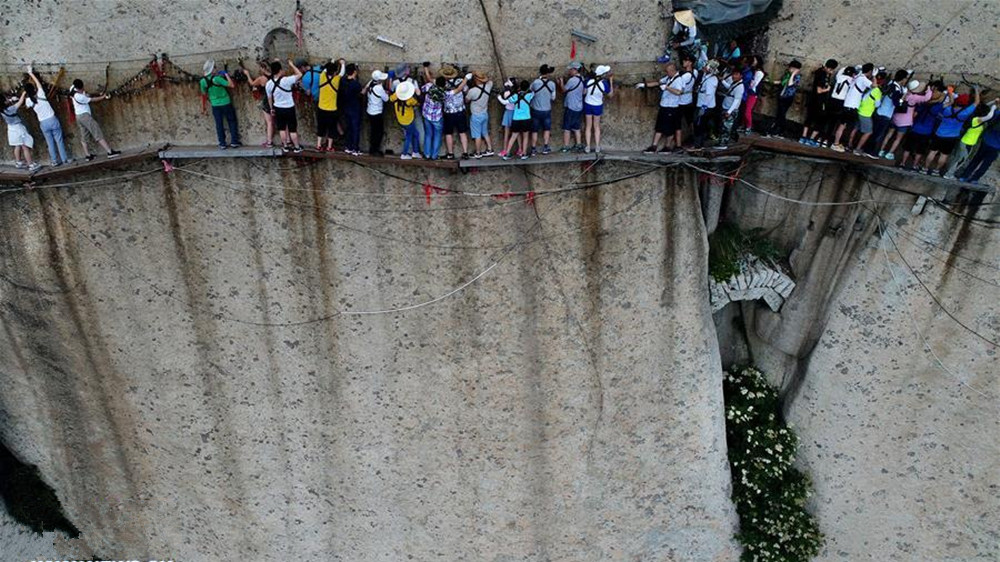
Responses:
[769,493]
[729,247]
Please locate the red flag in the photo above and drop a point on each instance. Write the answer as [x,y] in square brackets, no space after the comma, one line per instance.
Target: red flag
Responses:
[69,108]
[572,49]
[530,198]
[298,27]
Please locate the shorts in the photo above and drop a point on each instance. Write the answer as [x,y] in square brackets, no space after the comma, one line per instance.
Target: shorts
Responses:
[265,105]
[508,117]
[455,123]
[916,143]
[849,116]
[667,120]
[284,118]
[864,124]
[902,129]
[541,120]
[521,126]
[89,125]
[572,119]
[479,125]
[597,110]
[943,145]
[17,135]
[687,112]
[326,123]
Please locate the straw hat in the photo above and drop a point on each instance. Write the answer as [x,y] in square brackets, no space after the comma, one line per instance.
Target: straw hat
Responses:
[480,76]
[405,91]
[208,68]
[449,71]
[601,70]
[685,17]
[379,76]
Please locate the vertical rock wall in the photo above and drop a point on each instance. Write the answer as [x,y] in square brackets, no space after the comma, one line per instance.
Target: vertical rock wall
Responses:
[896,403]
[176,363]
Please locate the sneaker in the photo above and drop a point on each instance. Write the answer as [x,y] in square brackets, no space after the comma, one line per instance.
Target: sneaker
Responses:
[286,148]
[597,150]
[948,176]
[449,156]
[267,144]
[525,156]
[881,154]
[89,157]
[565,149]
[20,164]
[297,149]
[802,140]
[34,167]
[114,153]
[477,155]
[918,169]
[546,150]
[838,148]
[465,156]
[405,157]
[665,150]
[651,149]
[488,153]
[857,152]
[417,156]
[505,156]
[870,155]
[932,172]
[586,150]
[813,143]
[890,156]
[236,144]
[824,144]
[223,146]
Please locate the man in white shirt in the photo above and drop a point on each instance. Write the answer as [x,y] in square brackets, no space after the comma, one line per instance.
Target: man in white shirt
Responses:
[707,114]
[668,117]
[860,86]
[85,120]
[377,97]
[279,93]
[732,91]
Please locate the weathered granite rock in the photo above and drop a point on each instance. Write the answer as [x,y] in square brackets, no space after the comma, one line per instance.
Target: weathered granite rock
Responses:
[567,405]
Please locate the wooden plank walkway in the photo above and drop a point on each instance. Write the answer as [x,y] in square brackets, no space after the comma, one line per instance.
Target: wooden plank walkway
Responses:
[78,166]
[795,149]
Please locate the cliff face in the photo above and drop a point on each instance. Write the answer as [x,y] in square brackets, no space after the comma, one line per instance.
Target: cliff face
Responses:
[895,402]
[167,368]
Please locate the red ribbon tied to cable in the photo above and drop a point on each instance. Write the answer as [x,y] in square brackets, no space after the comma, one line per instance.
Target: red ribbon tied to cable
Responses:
[430,189]
[298,24]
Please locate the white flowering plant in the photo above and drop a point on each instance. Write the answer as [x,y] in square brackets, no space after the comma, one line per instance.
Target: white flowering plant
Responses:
[770,494]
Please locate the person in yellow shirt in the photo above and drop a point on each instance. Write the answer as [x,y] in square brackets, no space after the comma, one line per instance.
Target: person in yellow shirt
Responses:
[866,109]
[966,147]
[404,103]
[327,118]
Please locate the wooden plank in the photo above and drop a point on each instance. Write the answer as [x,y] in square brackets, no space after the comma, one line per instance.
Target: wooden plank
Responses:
[389,159]
[79,166]
[701,156]
[212,151]
[792,148]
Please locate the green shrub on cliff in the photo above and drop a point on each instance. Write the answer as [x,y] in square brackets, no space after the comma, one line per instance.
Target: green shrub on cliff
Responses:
[729,247]
[769,493]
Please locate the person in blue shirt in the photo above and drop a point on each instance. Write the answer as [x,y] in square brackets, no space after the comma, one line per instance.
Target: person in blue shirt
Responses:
[954,113]
[989,148]
[892,99]
[917,142]
[310,78]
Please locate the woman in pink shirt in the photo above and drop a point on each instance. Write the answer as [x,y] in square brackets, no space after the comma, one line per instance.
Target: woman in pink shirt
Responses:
[902,121]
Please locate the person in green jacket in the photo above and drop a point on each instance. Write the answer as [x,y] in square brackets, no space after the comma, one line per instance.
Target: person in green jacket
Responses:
[216,86]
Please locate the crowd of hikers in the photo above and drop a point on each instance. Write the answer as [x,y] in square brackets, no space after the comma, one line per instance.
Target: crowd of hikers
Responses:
[923,126]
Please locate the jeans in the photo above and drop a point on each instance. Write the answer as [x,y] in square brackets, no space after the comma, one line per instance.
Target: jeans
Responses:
[411,138]
[981,162]
[778,126]
[961,156]
[54,139]
[225,112]
[352,130]
[376,130]
[878,134]
[432,138]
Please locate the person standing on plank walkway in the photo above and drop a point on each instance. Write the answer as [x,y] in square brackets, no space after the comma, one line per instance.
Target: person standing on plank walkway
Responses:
[39,101]
[216,86]
[88,125]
